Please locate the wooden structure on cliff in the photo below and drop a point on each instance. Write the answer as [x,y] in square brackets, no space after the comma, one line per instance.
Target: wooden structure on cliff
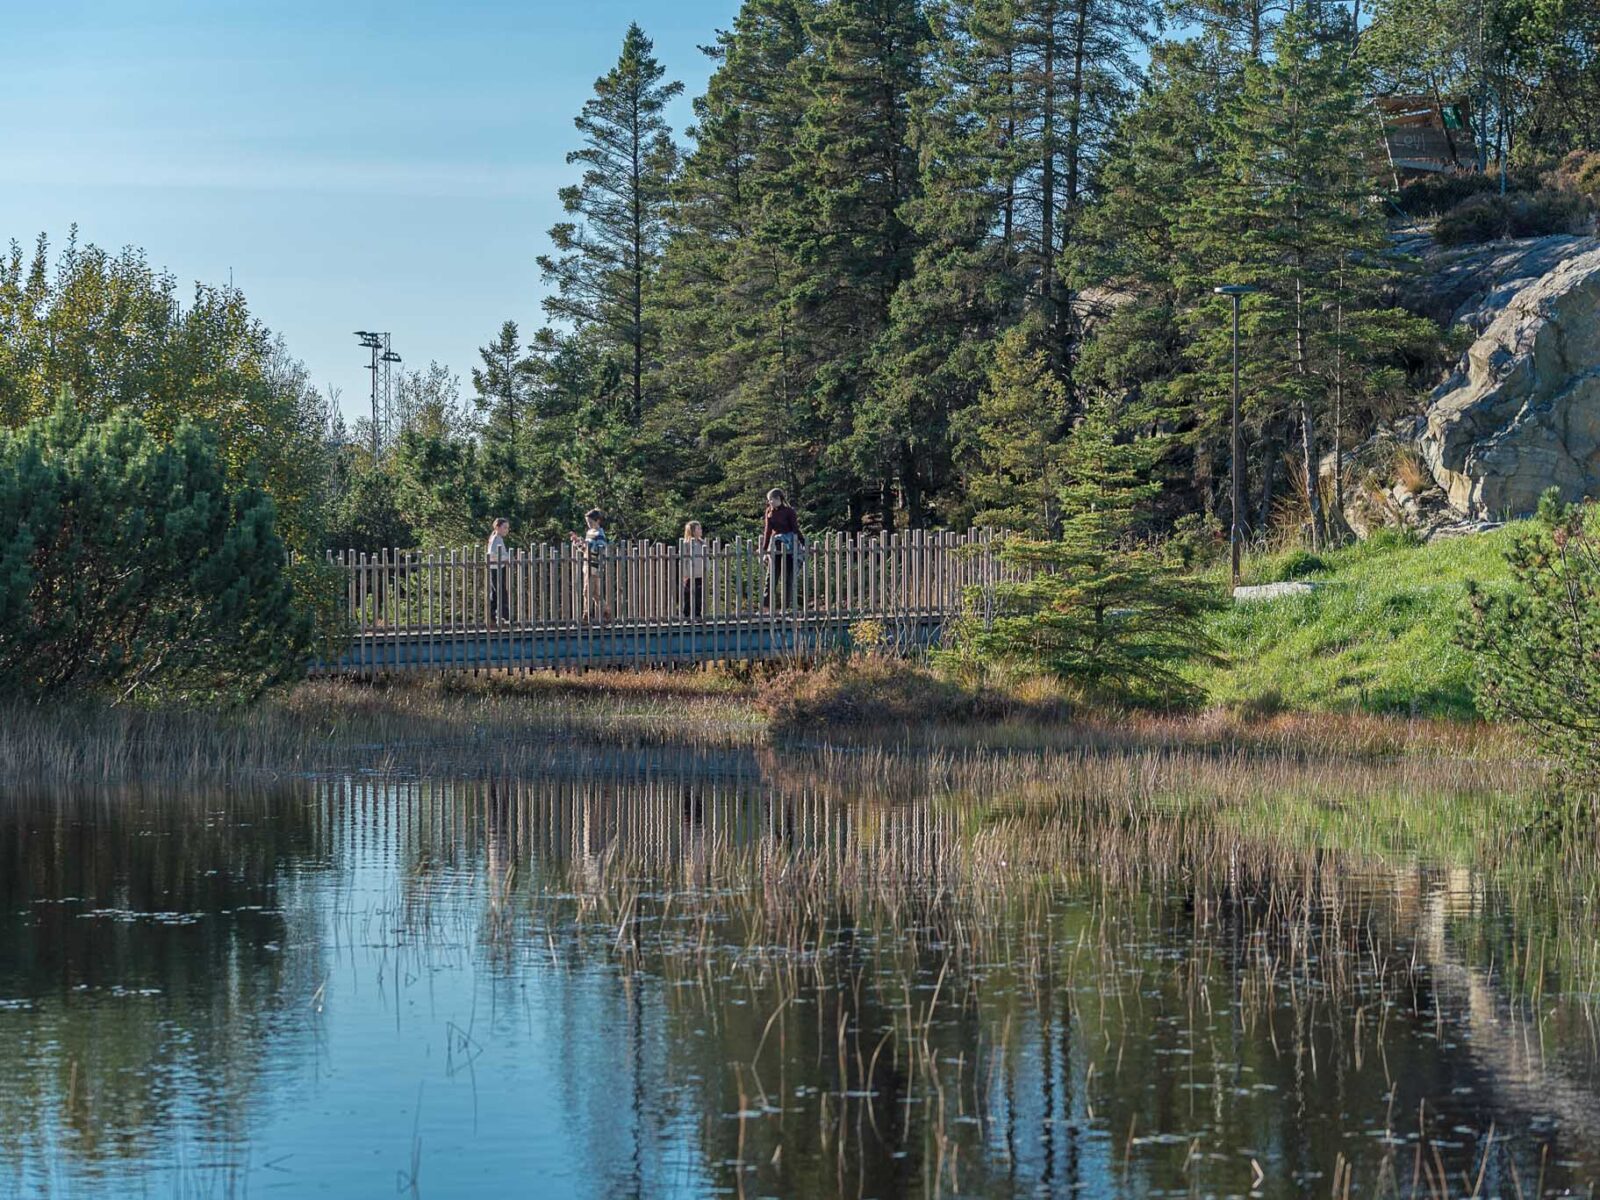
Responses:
[628,606]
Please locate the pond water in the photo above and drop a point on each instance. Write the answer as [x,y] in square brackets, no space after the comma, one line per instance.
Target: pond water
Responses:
[674,973]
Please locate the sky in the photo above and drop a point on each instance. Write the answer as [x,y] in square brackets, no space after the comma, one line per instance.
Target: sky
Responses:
[351,165]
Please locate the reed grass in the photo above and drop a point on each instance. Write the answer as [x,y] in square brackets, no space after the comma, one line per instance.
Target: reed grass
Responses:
[450,726]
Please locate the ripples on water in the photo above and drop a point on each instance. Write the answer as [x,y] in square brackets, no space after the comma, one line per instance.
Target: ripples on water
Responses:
[678,974]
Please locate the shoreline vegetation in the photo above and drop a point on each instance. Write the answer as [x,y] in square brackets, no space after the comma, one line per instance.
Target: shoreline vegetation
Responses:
[519,723]
[1362,669]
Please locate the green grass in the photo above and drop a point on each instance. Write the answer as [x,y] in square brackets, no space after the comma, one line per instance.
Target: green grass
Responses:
[1376,635]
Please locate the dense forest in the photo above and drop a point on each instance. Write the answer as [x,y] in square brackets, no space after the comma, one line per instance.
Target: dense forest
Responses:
[903,249]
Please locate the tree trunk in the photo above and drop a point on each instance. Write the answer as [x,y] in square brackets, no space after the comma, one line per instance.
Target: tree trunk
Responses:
[637,314]
[1338,406]
[1067,333]
[1047,180]
[1308,434]
[1269,480]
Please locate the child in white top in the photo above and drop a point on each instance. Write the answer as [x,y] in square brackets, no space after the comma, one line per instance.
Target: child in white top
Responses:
[498,555]
[692,552]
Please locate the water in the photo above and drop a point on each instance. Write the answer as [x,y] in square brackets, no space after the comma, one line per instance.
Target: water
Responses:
[675,974]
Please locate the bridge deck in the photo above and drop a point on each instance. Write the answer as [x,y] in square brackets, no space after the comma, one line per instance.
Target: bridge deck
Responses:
[622,644]
[644,604]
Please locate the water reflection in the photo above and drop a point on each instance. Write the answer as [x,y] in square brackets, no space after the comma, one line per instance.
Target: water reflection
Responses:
[673,973]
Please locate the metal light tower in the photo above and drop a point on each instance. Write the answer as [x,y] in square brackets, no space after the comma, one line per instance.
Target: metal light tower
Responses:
[1235,292]
[382,353]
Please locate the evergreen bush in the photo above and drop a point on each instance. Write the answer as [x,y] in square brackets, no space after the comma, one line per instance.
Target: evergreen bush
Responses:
[1538,645]
[1485,218]
[130,568]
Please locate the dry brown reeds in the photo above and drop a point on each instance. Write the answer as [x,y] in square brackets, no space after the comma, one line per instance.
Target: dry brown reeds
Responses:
[510,723]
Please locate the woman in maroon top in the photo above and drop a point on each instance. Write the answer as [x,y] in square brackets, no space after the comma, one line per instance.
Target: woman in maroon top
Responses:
[781,541]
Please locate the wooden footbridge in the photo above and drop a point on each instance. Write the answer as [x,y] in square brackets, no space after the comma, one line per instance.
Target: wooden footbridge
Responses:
[640,604]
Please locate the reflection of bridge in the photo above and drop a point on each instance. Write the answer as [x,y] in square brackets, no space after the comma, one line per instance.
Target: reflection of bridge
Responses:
[648,604]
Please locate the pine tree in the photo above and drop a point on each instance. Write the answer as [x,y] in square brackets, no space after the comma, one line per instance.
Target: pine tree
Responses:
[1059,73]
[1244,26]
[131,568]
[603,265]
[1136,253]
[1098,606]
[1013,480]
[1292,208]
[732,417]
[844,227]
[1537,645]
[503,387]
[966,284]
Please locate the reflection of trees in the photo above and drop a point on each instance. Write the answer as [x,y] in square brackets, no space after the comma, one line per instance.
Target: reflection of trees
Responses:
[146,936]
[898,973]
[768,942]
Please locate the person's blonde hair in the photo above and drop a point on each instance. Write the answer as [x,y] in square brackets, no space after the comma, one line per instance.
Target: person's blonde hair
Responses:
[693,529]
[776,496]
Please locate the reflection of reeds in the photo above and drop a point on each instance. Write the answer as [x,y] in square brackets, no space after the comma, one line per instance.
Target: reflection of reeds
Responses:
[896,919]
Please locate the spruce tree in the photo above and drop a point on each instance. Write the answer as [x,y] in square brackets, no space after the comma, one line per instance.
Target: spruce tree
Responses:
[503,388]
[1292,207]
[844,227]
[1013,478]
[604,261]
[1099,605]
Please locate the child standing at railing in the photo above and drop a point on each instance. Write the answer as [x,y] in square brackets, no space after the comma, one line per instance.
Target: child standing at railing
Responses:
[594,543]
[692,554]
[498,555]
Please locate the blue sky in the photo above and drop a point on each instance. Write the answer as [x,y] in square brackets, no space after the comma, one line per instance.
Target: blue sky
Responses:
[356,165]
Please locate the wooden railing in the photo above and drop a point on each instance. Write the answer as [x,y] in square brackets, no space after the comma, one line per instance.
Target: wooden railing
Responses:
[642,596]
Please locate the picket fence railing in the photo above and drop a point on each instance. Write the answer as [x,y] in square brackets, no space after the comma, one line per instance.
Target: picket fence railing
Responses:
[648,590]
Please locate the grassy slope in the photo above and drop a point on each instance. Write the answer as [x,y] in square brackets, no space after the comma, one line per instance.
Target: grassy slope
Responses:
[1375,637]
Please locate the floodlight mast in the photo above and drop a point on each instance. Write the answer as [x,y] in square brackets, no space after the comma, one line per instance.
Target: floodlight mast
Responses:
[1235,292]
[378,345]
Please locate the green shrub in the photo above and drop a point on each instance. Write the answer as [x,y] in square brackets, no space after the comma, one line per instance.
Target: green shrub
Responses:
[1436,194]
[1537,647]
[130,568]
[1390,537]
[1197,540]
[1296,564]
[1515,215]
[1578,172]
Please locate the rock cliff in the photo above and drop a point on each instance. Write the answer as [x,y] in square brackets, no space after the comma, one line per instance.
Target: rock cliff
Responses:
[1521,413]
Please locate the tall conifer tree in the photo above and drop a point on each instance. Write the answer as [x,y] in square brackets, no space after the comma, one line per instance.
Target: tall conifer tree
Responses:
[845,228]
[604,261]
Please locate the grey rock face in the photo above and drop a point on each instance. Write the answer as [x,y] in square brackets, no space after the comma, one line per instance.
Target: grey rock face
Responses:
[1471,285]
[1522,411]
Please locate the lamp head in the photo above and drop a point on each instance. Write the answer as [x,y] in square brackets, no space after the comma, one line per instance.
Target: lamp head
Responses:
[1235,289]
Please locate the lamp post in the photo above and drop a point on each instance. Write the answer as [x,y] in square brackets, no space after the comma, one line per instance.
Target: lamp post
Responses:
[1235,292]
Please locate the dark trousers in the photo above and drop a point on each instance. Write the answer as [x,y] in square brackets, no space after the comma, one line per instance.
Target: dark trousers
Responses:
[694,598]
[499,595]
